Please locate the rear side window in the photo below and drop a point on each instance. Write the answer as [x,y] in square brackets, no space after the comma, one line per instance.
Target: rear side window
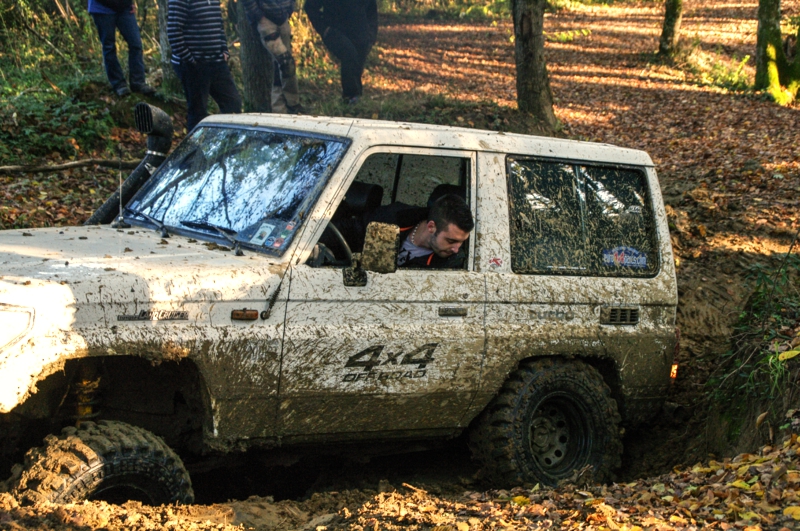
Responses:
[580,219]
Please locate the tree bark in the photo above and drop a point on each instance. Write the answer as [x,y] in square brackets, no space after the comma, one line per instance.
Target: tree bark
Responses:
[775,73]
[170,84]
[670,33]
[256,65]
[533,84]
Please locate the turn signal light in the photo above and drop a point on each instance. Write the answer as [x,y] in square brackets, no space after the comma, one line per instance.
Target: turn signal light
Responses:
[244,315]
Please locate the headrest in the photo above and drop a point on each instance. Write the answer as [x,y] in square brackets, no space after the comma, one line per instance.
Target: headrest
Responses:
[362,197]
[443,190]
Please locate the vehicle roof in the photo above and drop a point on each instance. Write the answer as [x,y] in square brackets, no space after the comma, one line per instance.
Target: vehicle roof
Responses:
[383,132]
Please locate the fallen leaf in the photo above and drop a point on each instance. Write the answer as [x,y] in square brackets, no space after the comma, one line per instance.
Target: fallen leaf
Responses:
[793,511]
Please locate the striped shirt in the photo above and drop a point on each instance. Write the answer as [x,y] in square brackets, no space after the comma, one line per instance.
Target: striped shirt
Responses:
[196,32]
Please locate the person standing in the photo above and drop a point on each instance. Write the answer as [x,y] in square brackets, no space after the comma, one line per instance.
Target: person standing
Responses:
[349,29]
[110,16]
[200,57]
[271,19]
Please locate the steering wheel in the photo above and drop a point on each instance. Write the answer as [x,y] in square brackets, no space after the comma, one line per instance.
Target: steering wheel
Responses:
[342,242]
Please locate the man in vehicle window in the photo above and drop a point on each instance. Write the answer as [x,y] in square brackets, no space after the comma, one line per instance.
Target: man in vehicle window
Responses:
[430,238]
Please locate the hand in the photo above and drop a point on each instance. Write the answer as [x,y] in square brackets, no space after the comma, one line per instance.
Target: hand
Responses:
[226,56]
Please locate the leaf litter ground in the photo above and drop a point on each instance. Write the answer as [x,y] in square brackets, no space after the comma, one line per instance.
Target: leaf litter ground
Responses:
[729,165]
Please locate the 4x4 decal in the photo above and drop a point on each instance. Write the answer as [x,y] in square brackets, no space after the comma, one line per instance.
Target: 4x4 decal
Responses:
[373,357]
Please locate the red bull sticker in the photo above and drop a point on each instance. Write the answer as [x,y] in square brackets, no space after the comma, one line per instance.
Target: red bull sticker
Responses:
[624,257]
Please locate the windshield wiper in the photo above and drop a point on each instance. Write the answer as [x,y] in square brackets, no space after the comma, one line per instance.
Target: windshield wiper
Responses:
[154,221]
[228,234]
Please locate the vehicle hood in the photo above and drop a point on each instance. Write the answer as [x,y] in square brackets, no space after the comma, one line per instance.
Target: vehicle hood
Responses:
[67,291]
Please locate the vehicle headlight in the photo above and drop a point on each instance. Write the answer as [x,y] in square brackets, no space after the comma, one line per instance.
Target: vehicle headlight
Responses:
[15,321]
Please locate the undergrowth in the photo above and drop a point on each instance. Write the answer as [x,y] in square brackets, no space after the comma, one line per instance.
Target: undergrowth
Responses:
[762,363]
[716,68]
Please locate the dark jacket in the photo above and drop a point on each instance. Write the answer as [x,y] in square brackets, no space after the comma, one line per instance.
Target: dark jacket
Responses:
[405,217]
[357,19]
[278,11]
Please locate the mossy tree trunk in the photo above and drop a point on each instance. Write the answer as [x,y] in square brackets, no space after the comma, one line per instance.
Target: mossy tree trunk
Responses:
[256,65]
[533,84]
[776,73]
[170,83]
[671,32]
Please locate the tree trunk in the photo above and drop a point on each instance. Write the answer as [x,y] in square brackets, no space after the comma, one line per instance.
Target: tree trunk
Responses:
[671,32]
[170,84]
[776,73]
[256,65]
[533,85]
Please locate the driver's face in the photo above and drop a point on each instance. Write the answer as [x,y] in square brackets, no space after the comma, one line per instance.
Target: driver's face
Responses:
[448,241]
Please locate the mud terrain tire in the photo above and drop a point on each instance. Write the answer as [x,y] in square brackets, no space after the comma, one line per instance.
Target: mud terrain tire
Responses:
[107,460]
[551,418]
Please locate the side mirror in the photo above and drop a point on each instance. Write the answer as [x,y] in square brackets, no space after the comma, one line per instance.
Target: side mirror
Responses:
[379,255]
[381,245]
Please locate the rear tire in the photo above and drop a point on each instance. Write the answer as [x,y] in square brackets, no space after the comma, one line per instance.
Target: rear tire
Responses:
[108,460]
[551,417]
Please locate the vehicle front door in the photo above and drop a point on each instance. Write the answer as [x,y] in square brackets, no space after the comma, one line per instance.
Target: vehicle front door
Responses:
[401,354]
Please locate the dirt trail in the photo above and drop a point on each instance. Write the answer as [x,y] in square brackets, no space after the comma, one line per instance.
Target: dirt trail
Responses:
[730,171]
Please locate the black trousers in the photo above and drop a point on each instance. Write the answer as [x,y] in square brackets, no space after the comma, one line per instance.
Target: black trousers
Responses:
[352,54]
[200,80]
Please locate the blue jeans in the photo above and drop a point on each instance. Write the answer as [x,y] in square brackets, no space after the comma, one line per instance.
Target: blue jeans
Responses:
[107,26]
[203,79]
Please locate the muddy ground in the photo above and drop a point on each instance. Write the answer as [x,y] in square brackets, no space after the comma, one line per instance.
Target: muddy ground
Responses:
[730,172]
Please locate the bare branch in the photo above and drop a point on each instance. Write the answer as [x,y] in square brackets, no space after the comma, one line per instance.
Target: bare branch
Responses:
[121,164]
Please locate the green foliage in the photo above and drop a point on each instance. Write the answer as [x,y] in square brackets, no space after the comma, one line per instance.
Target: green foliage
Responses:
[567,36]
[758,365]
[314,62]
[54,98]
[40,123]
[715,69]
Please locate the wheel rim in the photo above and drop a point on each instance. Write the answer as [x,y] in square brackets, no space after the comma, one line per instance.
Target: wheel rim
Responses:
[559,436]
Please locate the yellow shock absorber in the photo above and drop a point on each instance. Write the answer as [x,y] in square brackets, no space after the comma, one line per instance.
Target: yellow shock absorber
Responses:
[86,394]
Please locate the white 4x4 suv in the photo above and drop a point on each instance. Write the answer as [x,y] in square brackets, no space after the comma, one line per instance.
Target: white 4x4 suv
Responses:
[231,313]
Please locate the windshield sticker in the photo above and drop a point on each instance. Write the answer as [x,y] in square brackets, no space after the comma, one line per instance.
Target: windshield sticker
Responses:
[624,257]
[278,243]
[262,234]
[156,315]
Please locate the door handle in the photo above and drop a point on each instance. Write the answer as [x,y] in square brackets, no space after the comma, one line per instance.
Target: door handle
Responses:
[452,311]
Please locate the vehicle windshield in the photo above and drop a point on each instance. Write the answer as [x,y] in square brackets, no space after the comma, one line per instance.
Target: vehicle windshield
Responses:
[255,184]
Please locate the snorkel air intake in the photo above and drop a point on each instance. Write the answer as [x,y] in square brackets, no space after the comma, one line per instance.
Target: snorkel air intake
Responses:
[157,125]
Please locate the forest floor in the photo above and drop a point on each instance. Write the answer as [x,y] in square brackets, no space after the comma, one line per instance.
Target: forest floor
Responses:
[729,166]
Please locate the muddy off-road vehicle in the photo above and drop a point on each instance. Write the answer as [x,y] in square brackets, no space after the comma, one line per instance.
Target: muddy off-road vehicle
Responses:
[224,310]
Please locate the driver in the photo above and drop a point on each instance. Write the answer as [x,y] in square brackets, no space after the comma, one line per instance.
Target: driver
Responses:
[430,237]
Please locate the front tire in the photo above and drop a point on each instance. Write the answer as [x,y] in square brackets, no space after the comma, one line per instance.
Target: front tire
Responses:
[551,418]
[108,460]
